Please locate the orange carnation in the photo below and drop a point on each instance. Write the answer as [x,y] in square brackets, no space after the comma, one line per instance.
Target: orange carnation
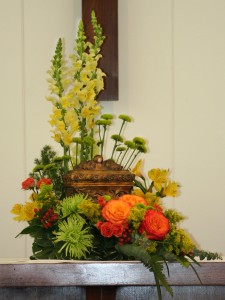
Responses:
[155,225]
[116,211]
[133,199]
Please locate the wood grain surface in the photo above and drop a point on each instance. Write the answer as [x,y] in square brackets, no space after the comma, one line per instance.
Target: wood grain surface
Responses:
[107,14]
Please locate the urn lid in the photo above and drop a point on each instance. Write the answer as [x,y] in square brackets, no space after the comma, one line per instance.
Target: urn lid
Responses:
[98,177]
[98,170]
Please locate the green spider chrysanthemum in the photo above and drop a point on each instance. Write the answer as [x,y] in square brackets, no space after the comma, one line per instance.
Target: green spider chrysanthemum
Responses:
[77,241]
[70,205]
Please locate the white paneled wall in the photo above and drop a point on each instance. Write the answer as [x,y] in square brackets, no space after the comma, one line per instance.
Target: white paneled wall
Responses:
[199,52]
[172,75]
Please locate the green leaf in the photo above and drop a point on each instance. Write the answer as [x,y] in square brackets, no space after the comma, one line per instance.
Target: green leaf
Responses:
[32,230]
[140,186]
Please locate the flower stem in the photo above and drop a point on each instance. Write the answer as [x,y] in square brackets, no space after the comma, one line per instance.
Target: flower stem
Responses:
[129,158]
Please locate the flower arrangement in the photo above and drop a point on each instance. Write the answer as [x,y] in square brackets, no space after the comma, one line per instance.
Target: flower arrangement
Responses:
[133,226]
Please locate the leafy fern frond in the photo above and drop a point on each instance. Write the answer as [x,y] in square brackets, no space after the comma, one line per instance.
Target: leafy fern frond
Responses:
[153,263]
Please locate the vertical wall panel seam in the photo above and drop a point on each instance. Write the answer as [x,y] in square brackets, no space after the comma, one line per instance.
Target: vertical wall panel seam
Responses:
[173,90]
[23,89]
[23,104]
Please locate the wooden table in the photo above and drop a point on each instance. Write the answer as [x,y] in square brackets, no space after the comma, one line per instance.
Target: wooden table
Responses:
[106,281]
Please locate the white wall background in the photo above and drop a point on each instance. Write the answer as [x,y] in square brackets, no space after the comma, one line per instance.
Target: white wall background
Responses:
[172,81]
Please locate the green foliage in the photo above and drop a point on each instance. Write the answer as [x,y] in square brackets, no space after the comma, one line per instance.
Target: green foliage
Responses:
[153,263]
[206,255]
[104,248]
[51,166]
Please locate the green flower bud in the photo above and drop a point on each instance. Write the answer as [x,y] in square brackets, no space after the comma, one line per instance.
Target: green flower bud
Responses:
[142,148]
[58,159]
[130,144]
[77,140]
[38,168]
[103,122]
[139,140]
[107,116]
[88,140]
[117,137]
[49,167]
[120,149]
[125,118]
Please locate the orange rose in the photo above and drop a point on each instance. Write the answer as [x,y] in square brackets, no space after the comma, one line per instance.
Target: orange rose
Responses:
[116,211]
[133,199]
[99,224]
[155,225]
[118,230]
[106,229]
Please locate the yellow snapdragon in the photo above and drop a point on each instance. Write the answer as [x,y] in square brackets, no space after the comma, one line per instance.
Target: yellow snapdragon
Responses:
[74,88]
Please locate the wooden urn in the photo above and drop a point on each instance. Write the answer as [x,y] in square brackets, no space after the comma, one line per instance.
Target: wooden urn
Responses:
[97,178]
